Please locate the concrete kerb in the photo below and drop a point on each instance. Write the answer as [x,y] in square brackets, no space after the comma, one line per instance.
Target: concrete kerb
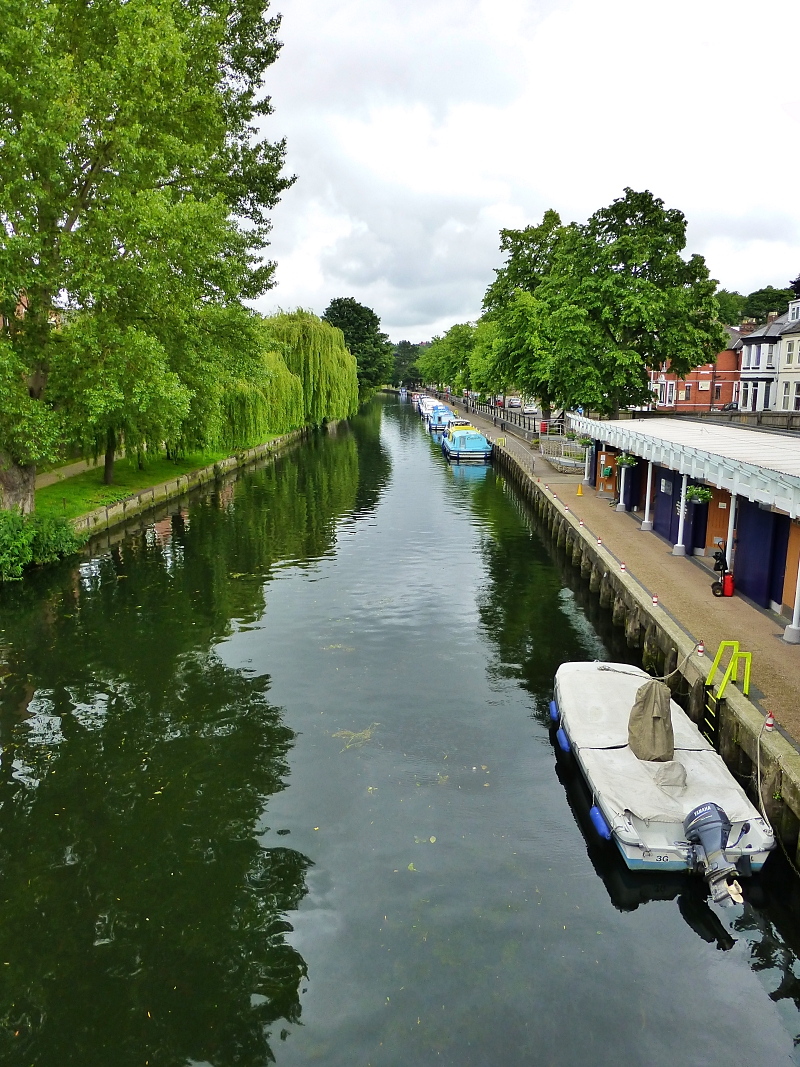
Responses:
[105,518]
[666,644]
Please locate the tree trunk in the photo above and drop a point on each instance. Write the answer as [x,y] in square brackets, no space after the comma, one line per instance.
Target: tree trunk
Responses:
[17,485]
[111,448]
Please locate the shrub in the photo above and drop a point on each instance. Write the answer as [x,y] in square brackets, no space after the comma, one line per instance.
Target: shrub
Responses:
[16,537]
[30,540]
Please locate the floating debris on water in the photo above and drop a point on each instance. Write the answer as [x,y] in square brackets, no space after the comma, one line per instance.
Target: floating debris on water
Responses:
[356,740]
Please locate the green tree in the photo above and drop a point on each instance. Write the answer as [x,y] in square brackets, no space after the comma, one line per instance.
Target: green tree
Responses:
[731,307]
[135,190]
[619,300]
[362,335]
[530,253]
[758,304]
[405,371]
[315,351]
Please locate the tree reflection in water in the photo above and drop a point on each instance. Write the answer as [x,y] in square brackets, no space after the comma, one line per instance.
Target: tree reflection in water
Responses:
[142,920]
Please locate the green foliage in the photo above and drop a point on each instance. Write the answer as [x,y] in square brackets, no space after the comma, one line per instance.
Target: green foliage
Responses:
[530,258]
[135,194]
[758,304]
[26,540]
[731,307]
[405,370]
[362,335]
[315,352]
[618,300]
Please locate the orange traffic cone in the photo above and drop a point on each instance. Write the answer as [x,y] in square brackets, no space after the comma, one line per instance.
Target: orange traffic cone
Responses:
[580,489]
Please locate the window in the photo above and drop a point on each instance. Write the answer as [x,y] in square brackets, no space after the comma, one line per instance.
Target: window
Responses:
[746,357]
[754,397]
[718,392]
[662,392]
[770,355]
[789,352]
[795,312]
[767,387]
[688,390]
[670,393]
[797,396]
[756,358]
[745,394]
[736,392]
[785,401]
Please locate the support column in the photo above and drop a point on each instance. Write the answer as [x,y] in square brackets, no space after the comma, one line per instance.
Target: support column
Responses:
[731,525]
[680,548]
[647,525]
[621,505]
[791,634]
[587,465]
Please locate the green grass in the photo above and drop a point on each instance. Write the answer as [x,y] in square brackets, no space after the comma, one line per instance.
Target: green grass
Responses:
[84,492]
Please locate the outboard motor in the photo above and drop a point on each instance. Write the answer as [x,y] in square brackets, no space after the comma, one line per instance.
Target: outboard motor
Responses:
[707,828]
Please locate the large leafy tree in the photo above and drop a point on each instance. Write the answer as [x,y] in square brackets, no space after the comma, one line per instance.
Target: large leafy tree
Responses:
[758,304]
[405,371]
[362,335]
[135,193]
[529,258]
[618,300]
[731,306]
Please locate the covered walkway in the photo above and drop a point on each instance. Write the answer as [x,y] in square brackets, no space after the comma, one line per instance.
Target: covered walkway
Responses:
[683,585]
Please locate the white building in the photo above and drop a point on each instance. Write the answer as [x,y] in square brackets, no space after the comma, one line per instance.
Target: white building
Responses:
[760,357]
[787,395]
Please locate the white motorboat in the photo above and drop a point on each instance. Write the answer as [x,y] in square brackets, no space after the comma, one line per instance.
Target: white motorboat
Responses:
[687,813]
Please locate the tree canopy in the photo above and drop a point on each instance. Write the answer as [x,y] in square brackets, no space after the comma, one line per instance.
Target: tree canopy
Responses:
[405,370]
[135,197]
[362,334]
[731,307]
[759,303]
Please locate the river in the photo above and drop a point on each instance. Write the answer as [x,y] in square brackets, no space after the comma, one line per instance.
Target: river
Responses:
[276,783]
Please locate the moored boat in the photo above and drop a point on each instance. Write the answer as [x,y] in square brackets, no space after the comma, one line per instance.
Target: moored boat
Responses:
[677,810]
[466,444]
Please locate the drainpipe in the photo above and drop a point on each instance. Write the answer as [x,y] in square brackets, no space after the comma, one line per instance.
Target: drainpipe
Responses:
[731,524]
[647,524]
[791,634]
[621,505]
[680,548]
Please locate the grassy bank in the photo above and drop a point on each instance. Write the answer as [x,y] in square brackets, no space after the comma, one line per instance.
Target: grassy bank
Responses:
[84,492]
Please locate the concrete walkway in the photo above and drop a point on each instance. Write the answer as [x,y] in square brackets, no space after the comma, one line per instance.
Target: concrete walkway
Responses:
[683,585]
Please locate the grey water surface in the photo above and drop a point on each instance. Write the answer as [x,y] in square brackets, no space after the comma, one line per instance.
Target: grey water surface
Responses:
[277,784]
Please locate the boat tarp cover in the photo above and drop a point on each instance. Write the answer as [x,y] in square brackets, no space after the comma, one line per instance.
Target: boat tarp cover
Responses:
[596,700]
[630,784]
[650,733]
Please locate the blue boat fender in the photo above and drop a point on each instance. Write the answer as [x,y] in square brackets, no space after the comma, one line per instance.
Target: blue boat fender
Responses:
[599,822]
[553,711]
[563,740]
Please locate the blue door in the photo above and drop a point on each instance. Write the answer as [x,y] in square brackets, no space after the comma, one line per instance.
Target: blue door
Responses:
[665,500]
[755,542]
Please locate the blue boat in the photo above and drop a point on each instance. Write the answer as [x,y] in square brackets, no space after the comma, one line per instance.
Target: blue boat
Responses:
[465,444]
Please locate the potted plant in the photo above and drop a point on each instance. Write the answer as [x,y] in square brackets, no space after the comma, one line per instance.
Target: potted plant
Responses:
[625,459]
[698,494]
[586,442]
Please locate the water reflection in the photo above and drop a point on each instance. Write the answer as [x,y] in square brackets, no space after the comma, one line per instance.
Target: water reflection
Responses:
[142,919]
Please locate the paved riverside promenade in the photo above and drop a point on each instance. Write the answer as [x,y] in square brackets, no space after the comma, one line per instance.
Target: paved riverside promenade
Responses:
[683,585]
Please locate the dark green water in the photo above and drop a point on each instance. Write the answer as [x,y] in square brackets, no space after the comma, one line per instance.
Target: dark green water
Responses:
[195,869]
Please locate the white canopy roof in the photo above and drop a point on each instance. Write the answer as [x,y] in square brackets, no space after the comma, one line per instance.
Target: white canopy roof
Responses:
[764,467]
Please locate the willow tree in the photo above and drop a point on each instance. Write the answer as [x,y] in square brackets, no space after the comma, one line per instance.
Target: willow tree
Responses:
[136,185]
[316,353]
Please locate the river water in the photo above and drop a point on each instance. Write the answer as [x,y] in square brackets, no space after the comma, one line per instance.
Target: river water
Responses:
[276,783]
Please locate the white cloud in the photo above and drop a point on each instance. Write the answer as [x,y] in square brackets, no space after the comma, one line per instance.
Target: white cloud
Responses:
[418,128]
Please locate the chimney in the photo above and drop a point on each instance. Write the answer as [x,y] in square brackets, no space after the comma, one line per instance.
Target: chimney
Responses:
[771,316]
[747,326]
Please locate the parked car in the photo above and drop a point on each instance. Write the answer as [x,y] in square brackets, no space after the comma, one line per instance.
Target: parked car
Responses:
[529,409]
[513,402]
[733,406]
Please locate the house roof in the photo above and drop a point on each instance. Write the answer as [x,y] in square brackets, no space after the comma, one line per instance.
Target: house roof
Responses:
[763,467]
[769,332]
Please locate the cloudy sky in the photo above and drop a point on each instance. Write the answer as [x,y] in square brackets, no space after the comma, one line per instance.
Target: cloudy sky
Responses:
[417,128]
